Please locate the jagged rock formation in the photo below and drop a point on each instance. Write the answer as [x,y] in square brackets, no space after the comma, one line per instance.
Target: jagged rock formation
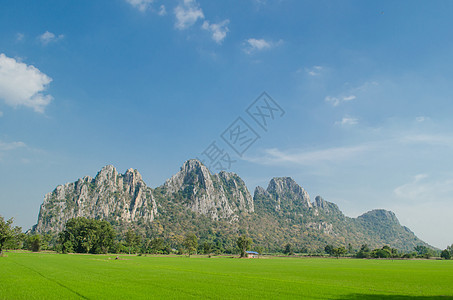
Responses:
[325,206]
[285,209]
[220,196]
[283,194]
[218,207]
[117,198]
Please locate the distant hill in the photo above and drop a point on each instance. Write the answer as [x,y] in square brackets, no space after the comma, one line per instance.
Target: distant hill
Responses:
[218,208]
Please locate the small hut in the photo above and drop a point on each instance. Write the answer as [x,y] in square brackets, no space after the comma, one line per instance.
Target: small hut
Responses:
[252,254]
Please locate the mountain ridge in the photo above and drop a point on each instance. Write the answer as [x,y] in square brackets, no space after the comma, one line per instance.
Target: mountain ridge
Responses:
[218,206]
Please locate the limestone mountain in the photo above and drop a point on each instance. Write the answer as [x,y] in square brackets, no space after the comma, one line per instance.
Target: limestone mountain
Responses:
[218,207]
[219,196]
[117,198]
[284,209]
[282,195]
[384,227]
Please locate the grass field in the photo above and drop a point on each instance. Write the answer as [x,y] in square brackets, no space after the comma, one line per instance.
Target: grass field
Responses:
[58,276]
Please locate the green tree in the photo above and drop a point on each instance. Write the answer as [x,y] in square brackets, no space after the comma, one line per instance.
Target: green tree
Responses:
[350,249]
[7,232]
[67,247]
[445,254]
[304,250]
[260,250]
[207,247]
[328,249]
[364,252]
[157,245]
[421,250]
[190,243]
[18,239]
[105,237]
[244,243]
[394,252]
[450,249]
[384,252]
[35,242]
[340,251]
[288,249]
[84,235]
[133,239]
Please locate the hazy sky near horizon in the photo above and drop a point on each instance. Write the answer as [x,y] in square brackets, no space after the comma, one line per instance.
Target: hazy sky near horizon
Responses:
[366,87]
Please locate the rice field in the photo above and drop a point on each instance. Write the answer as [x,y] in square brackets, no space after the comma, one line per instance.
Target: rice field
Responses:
[25,275]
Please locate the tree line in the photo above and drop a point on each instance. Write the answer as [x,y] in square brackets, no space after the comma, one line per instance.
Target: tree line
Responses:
[83,235]
[12,237]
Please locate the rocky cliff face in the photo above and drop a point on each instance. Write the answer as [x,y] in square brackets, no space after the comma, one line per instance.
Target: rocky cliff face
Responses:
[220,196]
[326,207]
[282,194]
[118,198]
[218,206]
[287,207]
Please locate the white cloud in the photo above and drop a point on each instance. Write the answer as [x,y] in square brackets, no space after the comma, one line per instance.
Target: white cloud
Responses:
[421,119]
[337,100]
[162,10]
[253,45]
[314,71]
[11,146]
[48,37]
[347,121]
[1,114]
[349,98]
[365,86]
[141,5]
[19,37]
[301,157]
[22,84]
[351,94]
[219,30]
[428,139]
[414,189]
[187,14]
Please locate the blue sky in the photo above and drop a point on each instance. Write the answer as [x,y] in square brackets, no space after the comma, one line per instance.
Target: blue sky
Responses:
[148,84]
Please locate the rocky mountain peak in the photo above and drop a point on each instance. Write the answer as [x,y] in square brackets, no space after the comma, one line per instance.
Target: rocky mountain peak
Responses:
[275,215]
[380,215]
[319,202]
[326,206]
[106,174]
[192,173]
[278,184]
[110,196]
[107,170]
[221,196]
[261,191]
[132,177]
[287,190]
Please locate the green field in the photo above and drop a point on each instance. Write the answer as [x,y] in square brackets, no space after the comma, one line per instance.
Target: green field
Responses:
[59,276]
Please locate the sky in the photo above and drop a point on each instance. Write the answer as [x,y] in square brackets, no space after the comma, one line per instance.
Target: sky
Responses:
[356,108]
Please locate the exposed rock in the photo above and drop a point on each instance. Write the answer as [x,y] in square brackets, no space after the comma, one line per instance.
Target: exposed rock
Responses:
[282,194]
[220,205]
[324,227]
[380,216]
[220,196]
[110,196]
[325,206]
